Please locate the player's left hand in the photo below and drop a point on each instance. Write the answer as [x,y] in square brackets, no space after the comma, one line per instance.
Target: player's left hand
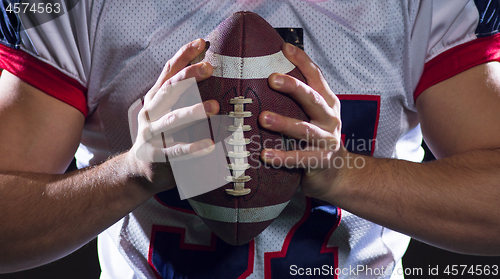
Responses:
[322,133]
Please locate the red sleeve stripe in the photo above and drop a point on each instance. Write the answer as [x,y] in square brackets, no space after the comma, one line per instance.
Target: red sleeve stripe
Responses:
[44,77]
[457,60]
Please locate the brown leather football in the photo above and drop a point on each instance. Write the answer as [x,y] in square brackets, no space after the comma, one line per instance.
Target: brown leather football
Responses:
[244,50]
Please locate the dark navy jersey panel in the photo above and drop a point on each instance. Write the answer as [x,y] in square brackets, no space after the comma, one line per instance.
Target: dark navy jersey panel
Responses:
[10,26]
[489,17]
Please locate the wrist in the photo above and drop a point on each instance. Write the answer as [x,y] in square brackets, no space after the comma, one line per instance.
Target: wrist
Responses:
[152,177]
[326,183]
[354,182]
[337,174]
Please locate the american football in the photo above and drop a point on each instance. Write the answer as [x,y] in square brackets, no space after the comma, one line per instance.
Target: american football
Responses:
[244,50]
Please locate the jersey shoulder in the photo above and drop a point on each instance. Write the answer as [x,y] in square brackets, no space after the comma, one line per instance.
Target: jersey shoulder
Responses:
[462,34]
[48,50]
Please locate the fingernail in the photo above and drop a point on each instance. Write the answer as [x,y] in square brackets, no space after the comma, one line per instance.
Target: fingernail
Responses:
[279,81]
[202,70]
[269,119]
[268,154]
[208,106]
[196,44]
[290,48]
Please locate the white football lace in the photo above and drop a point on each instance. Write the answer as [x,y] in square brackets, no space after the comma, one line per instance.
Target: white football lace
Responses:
[239,154]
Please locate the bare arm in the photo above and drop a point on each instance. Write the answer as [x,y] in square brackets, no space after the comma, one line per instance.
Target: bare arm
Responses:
[47,215]
[450,203]
[38,133]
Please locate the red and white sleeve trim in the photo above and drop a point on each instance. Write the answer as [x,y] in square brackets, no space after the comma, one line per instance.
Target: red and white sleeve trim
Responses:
[44,77]
[457,60]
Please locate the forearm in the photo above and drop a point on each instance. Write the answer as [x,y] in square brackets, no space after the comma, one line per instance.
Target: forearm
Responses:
[445,203]
[45,217]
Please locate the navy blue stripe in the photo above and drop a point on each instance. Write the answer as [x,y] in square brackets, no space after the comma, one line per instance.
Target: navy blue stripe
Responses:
[10,26]
[489,17]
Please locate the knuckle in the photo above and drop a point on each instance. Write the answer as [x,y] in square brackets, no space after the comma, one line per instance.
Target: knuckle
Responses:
[169,119]
[189,52]
[186,49]
[294,83]
[336,100]
[168,67]
[316,98]
[175,151]
[178,150]
[165,88]
[336,124]
[337,121]
[316,69]
[304,130]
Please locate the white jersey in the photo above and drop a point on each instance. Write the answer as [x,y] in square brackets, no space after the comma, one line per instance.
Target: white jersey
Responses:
[377,55]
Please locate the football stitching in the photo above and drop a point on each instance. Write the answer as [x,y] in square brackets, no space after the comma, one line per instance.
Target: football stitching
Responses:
[239,154]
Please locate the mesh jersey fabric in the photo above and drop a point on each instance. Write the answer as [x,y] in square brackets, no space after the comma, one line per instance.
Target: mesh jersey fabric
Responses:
[103,55]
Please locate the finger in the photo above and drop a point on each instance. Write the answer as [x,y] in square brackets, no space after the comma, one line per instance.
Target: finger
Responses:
[183,117]
[310,71]
[178,151]
[183,83]
[181,59]
[298,129]
[297,159]
[172,88]
[186,151]
[178,62]
[312,102]
[199,71]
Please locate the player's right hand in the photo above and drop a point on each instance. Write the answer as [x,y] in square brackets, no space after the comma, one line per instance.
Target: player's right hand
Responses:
[157,121]
[322,133]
